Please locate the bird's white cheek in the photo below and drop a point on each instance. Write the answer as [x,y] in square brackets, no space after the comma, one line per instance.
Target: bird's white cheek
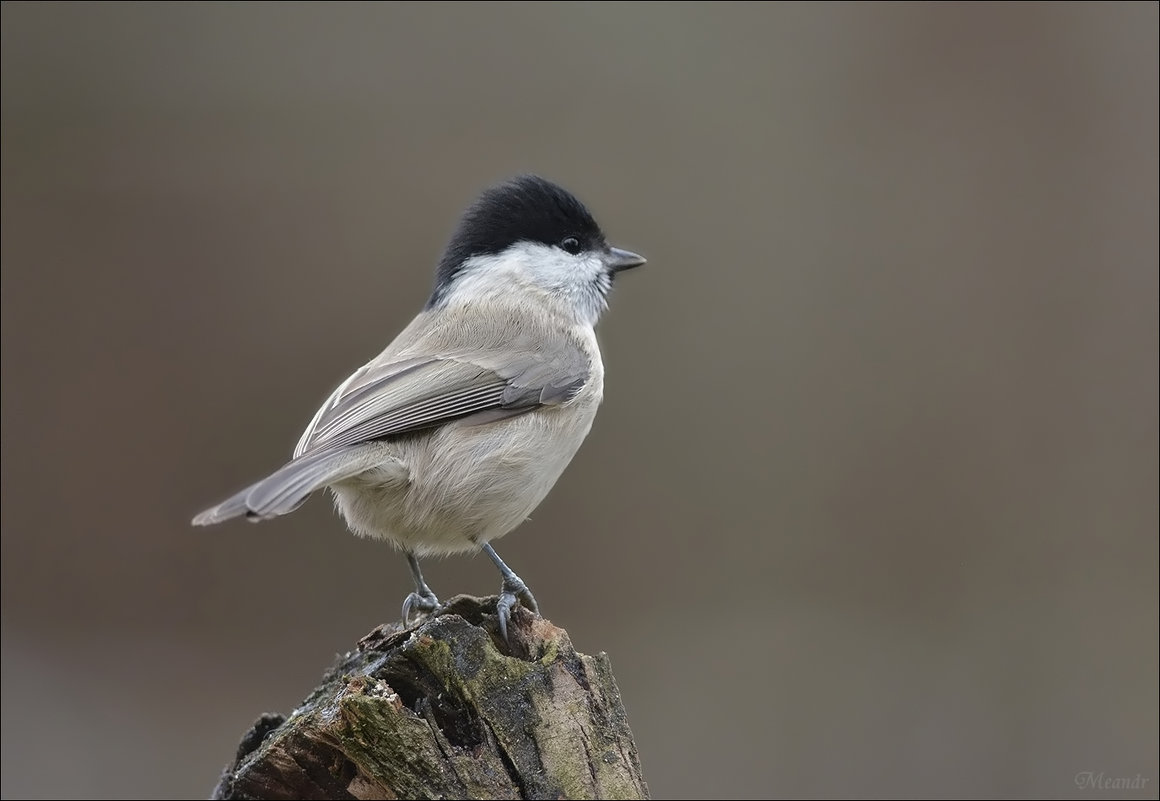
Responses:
[554,269]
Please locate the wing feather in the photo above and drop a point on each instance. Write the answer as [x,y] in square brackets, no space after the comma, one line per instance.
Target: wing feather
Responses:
[393,399]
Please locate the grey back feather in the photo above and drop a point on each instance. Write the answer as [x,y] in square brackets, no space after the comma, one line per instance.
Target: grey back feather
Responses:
[449,365]
[459,364]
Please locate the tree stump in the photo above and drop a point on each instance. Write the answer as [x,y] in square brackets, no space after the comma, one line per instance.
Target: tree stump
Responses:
[446,709]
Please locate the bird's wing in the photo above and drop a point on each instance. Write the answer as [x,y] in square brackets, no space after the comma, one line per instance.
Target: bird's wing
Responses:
[393,396]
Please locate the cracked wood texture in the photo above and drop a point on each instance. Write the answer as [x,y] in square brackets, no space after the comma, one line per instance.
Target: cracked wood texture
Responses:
[446,709]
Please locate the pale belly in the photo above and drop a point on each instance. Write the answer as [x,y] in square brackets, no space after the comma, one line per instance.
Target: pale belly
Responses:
[460,486]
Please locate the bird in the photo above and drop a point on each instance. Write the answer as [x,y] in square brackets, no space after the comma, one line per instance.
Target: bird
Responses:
[455,433]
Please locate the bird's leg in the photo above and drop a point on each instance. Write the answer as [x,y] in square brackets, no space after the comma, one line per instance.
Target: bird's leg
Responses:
[422,599]
[513,589]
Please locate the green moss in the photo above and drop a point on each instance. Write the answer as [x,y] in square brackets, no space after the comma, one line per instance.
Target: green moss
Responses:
[444,713]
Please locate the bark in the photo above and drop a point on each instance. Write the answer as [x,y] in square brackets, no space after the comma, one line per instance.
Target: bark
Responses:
[448,710]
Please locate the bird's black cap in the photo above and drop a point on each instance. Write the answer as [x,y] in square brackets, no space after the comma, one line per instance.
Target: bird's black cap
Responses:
[527,208]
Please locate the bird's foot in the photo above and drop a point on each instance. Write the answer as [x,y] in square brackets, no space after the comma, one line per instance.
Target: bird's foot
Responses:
[423,603]
[514,590]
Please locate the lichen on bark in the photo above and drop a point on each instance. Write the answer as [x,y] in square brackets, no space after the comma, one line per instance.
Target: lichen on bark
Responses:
[447,709]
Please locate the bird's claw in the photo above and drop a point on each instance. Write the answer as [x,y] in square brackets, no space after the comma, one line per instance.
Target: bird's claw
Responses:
[422,602]
[514,590]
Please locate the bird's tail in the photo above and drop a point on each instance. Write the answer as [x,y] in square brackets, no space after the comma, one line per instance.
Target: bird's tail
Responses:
[285,490]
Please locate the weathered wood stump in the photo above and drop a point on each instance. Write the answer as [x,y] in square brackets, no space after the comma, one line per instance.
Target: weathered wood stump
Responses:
[446,709]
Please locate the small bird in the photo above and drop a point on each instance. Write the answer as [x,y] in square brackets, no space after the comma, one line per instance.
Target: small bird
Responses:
[450,437]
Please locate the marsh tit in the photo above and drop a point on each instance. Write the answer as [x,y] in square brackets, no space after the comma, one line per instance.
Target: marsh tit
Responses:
[450,437]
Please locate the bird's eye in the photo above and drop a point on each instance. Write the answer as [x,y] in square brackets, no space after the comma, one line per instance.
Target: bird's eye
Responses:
[571,244]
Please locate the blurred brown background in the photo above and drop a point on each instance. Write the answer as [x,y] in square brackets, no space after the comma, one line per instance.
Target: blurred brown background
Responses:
[871,507]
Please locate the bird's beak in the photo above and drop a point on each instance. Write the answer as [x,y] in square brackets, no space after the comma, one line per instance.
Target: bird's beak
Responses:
[617,260]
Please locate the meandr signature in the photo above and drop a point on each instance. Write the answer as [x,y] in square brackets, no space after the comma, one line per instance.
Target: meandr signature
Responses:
[1098,780]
